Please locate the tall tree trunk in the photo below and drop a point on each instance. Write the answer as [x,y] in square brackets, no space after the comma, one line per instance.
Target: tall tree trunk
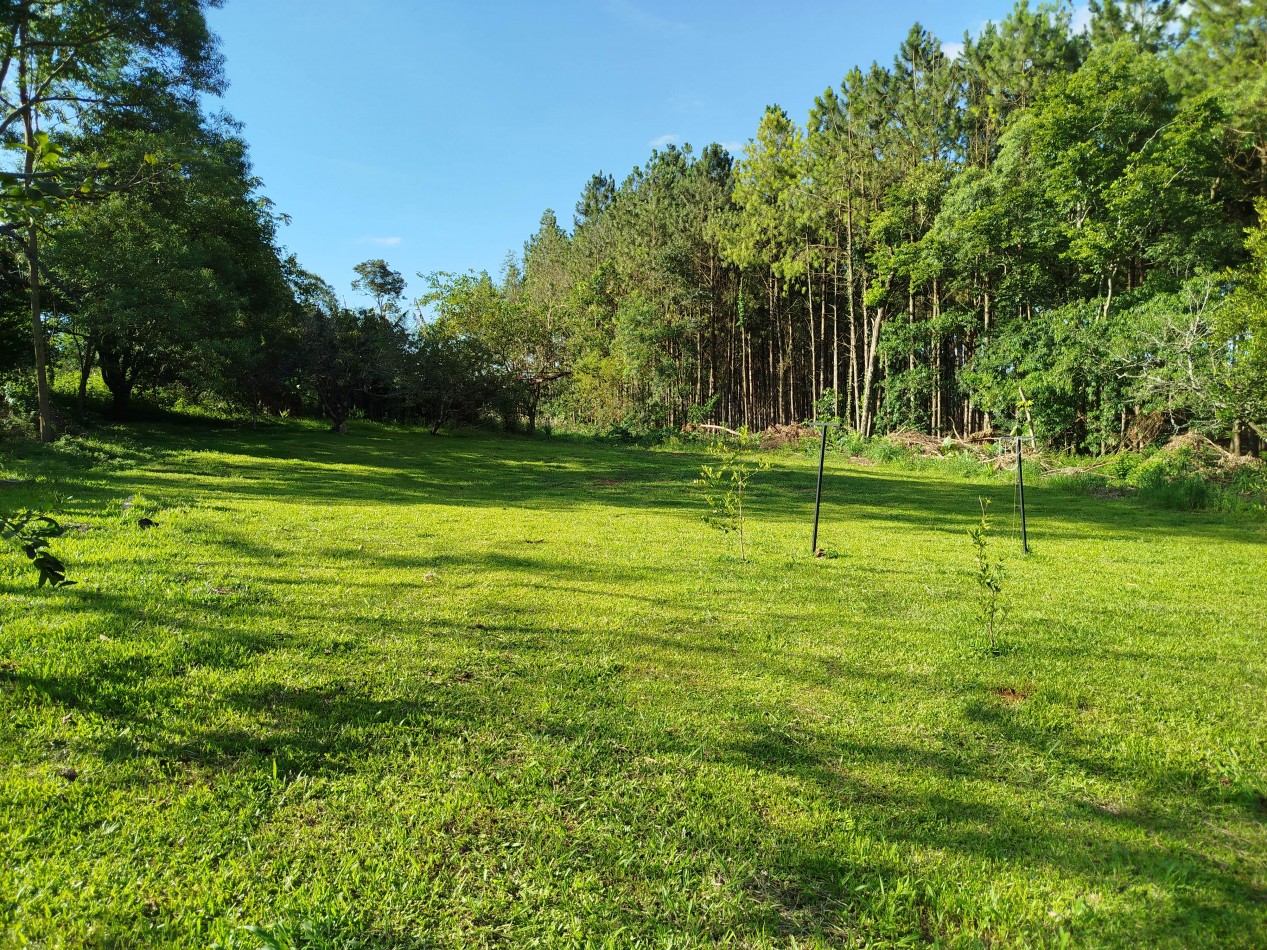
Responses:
[835,344]
[33,243]
[121,400]
[85,371]
[869,378]
[47,433]
[937,367]
[813,349]
[854,400]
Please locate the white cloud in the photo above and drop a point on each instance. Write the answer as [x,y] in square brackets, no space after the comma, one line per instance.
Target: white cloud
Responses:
[952,50]
[381,241]
[664,140]
[734,148]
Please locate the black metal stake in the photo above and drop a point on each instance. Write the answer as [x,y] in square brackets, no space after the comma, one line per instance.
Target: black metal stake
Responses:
[818,497]
[1020,487]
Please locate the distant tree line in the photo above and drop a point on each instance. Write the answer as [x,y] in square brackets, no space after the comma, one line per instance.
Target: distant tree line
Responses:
[135,243]
[1054,230]
[1047,228]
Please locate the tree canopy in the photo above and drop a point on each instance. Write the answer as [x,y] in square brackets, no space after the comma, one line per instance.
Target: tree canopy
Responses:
[1063,221]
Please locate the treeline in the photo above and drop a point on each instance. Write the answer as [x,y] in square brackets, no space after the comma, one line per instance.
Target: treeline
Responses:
[1053,230]
[1047,229]
[137,244]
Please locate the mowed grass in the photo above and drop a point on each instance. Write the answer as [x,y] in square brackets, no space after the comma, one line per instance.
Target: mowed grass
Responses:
[391,689]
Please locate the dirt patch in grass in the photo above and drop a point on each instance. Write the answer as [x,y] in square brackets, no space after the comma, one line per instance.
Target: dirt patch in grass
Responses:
[776,437]
[1011,695]
[1110,492]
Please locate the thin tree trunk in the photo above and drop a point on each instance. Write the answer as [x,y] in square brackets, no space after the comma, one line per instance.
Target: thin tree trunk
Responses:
[33,248]
[853,323]
[85,371]
[813,349]
[868,382]
[47,433]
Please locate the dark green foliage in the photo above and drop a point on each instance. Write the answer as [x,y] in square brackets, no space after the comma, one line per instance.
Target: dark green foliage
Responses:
[940,236]
[382,283]
[452,379]
[30,534]
[66,64]
[1197,475]
[1055,215]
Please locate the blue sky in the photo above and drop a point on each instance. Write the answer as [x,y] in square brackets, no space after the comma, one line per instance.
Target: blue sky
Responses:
[435,134]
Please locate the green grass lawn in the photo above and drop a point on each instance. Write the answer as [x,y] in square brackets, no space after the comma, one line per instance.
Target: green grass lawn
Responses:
[391,689]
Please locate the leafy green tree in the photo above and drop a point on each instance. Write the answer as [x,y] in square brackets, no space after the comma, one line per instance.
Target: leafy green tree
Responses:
[1225,55]
[175,280]
[724,484]
[599,193]
[451,378]
[1240,334]
[58,59]
[385,285]
[352,360]
[1150,24]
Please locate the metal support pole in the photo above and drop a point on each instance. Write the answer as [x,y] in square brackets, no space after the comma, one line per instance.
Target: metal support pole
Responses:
[818,496]
[1020,488]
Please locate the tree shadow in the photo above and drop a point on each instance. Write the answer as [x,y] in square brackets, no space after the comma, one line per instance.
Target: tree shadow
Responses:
[925,796]
[984,812]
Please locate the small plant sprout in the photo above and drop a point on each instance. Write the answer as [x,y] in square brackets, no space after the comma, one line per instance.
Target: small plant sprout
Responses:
[723,484]
[989,576]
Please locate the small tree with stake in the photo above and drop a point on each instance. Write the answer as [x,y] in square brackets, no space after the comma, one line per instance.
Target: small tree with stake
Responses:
[723,484]
[989,575]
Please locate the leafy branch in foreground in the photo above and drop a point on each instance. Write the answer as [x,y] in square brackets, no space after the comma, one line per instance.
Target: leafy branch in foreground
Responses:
[989,575]
[723,484]
[30,532]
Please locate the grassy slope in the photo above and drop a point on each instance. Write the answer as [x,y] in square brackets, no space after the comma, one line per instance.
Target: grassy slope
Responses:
[440,691]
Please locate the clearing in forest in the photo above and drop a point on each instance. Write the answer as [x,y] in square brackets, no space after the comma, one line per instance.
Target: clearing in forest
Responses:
[399,690]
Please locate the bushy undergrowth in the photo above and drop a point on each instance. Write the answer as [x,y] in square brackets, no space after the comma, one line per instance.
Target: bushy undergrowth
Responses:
[886,451]
[1191,477]
[1190,474]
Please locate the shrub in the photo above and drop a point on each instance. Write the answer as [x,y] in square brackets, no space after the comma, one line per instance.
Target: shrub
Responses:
[887,451]
[1124,464]
[1080,483]
[1196,475]
[847,441]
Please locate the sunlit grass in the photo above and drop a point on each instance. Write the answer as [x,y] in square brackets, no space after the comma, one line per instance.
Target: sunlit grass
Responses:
[397,690]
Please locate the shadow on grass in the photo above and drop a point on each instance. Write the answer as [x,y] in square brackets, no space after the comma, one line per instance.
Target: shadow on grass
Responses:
[332,721]
[984,811]
[476,470]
